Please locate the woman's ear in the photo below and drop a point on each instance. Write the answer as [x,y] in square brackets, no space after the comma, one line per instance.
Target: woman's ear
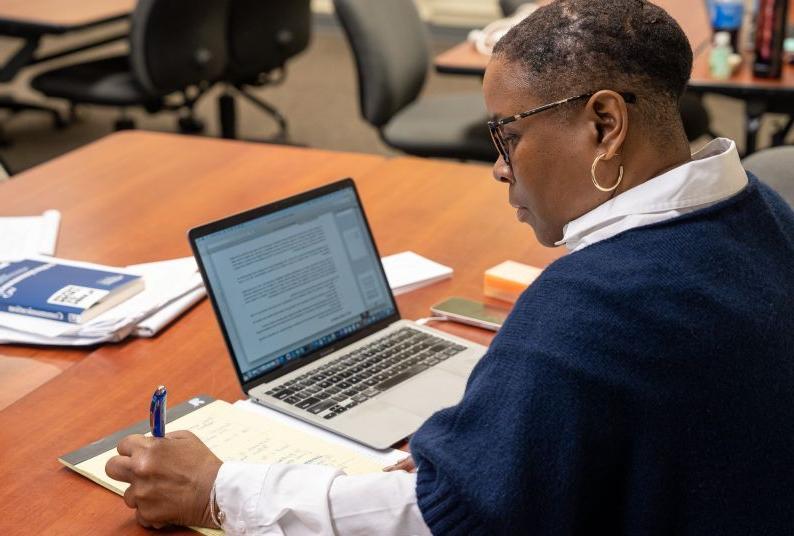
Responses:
[611,121]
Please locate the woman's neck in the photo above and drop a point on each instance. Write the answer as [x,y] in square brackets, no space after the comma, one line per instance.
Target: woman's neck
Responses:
[653,160]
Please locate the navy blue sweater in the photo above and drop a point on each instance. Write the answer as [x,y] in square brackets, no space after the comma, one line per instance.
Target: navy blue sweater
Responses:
[642,385]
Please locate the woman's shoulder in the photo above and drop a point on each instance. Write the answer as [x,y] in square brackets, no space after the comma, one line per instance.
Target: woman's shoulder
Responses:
[701,274]
[754,227]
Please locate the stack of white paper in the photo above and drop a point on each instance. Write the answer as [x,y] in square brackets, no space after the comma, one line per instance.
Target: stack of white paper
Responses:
[408,271]
[172,287]
[21,237]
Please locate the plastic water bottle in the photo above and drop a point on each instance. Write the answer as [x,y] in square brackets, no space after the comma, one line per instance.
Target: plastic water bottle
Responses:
[727,16]
[788,50]
[720,58]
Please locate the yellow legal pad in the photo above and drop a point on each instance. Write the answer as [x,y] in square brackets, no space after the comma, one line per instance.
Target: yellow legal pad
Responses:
[232,434]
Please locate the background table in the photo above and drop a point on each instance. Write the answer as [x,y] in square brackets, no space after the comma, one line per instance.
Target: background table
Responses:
[692,16]
[760,95]
[24,17]
[130,198]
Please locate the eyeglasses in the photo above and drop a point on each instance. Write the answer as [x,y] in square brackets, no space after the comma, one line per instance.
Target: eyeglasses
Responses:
[495,126]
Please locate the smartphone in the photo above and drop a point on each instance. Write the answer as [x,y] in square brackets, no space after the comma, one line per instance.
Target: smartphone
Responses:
[471,312]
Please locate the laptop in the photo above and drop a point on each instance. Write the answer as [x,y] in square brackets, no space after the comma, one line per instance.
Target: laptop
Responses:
[312,326]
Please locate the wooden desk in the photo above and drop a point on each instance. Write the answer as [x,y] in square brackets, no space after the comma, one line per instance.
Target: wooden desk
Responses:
[130,198]
[464,58]
[23,17]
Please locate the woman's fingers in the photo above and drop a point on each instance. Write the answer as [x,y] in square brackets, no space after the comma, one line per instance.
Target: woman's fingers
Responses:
[406,464]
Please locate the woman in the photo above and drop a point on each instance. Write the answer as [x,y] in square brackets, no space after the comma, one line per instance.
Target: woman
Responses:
[643,384]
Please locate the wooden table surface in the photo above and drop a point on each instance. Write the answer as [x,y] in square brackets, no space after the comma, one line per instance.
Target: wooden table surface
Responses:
[62,15]
[742,82]
[130,198]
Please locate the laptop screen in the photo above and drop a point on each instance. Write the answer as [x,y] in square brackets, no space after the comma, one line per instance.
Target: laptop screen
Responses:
[294,280]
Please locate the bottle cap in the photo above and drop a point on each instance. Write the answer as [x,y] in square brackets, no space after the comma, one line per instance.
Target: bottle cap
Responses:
[722,39]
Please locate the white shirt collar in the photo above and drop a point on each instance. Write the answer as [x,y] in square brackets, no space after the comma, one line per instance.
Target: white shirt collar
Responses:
[714,173]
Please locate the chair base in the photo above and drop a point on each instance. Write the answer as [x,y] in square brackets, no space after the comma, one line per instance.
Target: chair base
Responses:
[15,106]
[190,125]
[124,123]
[227,113]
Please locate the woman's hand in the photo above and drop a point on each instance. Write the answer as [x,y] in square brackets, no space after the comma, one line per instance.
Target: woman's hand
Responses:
[406,464]
[170,478]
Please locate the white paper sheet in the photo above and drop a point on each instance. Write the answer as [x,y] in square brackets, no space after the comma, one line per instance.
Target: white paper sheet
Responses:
[408,271]
[21,237]
[149,327]
[9,336]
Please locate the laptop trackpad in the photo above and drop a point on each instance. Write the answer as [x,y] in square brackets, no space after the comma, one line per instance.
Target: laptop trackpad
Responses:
[427,393]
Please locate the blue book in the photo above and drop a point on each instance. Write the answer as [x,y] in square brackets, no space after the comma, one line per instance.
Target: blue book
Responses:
[62,292]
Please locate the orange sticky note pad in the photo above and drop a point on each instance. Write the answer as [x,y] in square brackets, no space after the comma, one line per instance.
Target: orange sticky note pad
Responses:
[506,281]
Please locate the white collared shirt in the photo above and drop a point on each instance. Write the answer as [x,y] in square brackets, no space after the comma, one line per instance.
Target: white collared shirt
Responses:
[714,173]
[304,500]
[309,499]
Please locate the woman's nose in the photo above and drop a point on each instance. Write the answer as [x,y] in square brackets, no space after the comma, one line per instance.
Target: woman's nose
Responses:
[502,171]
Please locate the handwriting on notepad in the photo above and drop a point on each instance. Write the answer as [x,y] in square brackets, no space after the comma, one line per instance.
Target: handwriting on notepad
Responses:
[243,442]
[235,435]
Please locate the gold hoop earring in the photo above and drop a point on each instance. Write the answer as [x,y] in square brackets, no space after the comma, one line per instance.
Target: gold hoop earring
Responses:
[595,180]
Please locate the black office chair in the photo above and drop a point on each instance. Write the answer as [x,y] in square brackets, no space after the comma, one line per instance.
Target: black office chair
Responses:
[175,46]
[262,36]
[392,56]
[775,167]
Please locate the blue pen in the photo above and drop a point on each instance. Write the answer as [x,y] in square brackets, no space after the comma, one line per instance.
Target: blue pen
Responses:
[157,412]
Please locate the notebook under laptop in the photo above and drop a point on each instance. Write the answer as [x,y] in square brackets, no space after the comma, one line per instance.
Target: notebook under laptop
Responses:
[311,323]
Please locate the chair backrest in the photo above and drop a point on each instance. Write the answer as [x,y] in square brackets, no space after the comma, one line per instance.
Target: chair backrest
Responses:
[264,34]
[178,43]
[775,167]
[390,47]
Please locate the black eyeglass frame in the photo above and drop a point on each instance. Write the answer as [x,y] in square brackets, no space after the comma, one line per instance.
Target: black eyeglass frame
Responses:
[495,125]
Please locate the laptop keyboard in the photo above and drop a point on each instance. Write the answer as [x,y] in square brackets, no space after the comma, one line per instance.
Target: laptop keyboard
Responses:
[365,372]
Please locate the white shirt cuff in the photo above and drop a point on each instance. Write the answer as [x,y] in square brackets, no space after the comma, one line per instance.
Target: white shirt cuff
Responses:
[264,499]
[377,503]
[302,500]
